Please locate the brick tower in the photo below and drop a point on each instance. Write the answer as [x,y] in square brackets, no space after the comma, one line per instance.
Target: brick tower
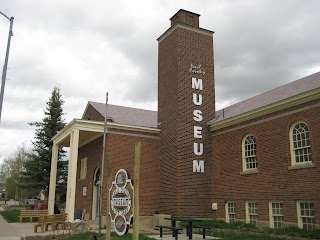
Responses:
[186,102]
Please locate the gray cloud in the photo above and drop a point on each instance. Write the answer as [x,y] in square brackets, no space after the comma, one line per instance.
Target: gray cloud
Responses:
[90,48]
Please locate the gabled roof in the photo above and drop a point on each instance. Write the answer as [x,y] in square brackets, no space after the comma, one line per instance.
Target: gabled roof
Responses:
[127,115]
[288,91]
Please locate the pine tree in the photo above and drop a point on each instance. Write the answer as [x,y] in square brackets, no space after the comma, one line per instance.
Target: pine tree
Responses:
[36,173]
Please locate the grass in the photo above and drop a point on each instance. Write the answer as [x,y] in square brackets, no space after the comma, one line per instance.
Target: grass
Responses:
[295,232]
[85,236]
[233,235]
[11,216]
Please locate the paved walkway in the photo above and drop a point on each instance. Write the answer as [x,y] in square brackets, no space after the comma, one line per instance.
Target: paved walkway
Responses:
[14,231]
[7,232]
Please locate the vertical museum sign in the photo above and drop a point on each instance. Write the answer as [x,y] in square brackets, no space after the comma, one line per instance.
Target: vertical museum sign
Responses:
[197,98]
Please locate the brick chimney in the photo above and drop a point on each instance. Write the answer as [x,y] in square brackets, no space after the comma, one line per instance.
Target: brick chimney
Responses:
[186,17]
[185,104]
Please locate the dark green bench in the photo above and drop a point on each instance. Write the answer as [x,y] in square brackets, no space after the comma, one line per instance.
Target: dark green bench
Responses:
[175,230]
[201,227]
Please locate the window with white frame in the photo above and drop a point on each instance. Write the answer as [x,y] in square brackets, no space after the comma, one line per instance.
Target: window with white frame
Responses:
[276,214]
[249,152]
[300,143]
[251,213]
[230,212]
[83,168]
[305,212]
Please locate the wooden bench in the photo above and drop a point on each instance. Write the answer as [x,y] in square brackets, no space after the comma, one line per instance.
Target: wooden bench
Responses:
[50,220]
[32,214]
[59,219]
[44,222]
[175,230]
[201,227]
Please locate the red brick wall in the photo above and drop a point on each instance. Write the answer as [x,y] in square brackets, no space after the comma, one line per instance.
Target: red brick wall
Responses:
[92,151]
[183,192]
[122,148]
[167,116]
[274,181]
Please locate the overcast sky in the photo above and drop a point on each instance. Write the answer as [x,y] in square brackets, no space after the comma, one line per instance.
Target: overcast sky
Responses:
[89,48]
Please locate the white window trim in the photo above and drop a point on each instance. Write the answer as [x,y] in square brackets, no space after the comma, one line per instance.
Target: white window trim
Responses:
[83,168]
[244,163]
[292,153]
[300,223]
[227,211]
[247,211]
[271,219]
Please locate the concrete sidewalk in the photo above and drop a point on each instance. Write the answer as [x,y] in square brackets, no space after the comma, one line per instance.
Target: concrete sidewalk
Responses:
[7,232]
[14,231]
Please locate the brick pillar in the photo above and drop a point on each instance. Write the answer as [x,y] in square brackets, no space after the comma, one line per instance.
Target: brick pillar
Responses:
[186,103]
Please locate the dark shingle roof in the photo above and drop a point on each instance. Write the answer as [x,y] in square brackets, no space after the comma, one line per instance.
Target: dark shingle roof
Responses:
[286,91]
[128,115]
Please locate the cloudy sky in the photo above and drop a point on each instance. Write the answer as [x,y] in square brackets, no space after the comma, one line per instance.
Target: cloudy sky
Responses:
[88,48]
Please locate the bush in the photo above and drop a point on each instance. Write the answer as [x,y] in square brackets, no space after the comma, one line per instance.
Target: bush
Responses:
[245,227]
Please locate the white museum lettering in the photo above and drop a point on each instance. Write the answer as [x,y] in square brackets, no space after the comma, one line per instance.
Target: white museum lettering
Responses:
[196,69]
[197,131]
[197,115]
[198,166]
[197,84]
[197,99]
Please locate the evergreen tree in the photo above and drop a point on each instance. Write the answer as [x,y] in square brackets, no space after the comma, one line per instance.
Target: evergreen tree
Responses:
[36,173]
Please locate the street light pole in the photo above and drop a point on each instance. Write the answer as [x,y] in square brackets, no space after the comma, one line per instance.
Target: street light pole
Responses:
[5,66]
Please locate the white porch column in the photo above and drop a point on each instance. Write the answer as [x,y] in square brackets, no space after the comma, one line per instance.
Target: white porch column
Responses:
[53,178]
[72,174]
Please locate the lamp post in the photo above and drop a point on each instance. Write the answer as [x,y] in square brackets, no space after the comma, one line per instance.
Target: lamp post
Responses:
[5,66]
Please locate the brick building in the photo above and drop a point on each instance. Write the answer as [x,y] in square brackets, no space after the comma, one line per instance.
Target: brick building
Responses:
[254,161]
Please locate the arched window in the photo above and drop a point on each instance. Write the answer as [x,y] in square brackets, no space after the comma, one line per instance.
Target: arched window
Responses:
[300,143]
[249,153]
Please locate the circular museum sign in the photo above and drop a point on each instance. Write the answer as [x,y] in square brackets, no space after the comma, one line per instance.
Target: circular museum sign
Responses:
[121,200]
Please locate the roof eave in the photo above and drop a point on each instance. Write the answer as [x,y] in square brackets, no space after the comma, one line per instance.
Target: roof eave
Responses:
[187,27]
[281,105]
[97,126]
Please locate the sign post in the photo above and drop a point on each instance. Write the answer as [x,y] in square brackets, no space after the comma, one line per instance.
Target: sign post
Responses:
[109,182]
[136,208]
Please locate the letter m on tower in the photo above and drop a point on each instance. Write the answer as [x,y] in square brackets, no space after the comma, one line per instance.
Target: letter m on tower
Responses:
[198,166]
[197,83]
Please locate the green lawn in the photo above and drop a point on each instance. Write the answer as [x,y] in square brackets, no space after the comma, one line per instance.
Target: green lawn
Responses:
[244,236]
[11,216]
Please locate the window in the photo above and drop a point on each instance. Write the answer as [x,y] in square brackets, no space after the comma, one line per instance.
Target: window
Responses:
[276,214]
[305,212]
[251,213]
[230,212]
[249,152]
[300,143]
[83,168]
